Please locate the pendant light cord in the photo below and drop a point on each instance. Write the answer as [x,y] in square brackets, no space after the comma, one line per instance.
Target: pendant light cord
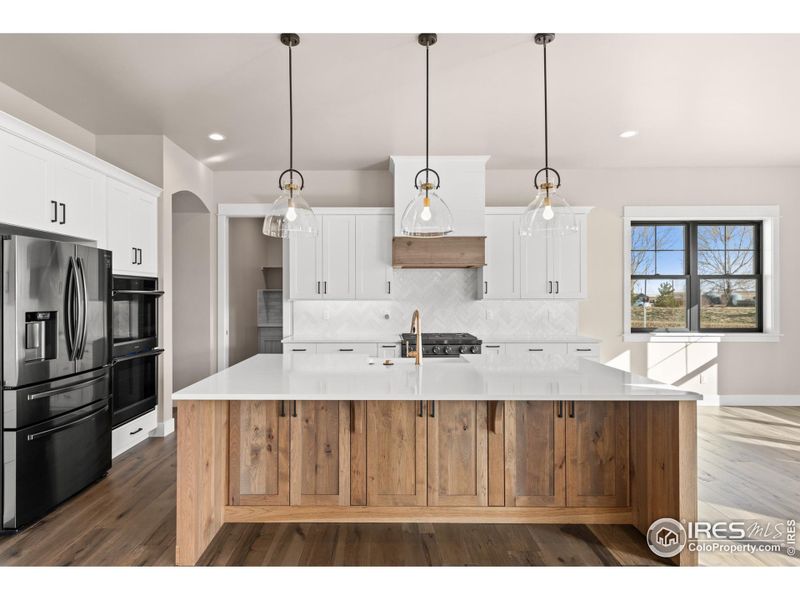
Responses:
[291,124]
[427,109]
[546,149]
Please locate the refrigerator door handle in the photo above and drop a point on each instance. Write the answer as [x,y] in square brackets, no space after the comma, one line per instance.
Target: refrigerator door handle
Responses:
[84,321]
[69,319]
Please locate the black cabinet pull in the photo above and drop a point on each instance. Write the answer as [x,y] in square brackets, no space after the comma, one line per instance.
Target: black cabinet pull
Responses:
[556,287]
[345,349]
[421,409]
[63,213]
[324,287]
[572,409]
[133,260]
[535,349]
[294,408]
[583,349]
[389,286]
[389,346]
[549,287]
[560,408]
[137,431]
[283,409]
[55,211]
[485,287]
[298,349]
[433,408]
[492,346]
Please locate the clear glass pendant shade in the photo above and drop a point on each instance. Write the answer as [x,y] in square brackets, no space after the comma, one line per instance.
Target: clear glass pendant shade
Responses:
[289,214]
[427,215]
[549,212]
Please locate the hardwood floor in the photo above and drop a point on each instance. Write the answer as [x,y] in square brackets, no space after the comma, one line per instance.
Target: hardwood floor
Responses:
[749,466]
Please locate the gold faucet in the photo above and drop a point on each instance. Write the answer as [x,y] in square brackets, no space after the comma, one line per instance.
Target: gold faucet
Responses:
[416,327]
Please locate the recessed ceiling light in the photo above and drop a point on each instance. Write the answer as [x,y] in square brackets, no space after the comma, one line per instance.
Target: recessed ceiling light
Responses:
[629,134]
[217,137]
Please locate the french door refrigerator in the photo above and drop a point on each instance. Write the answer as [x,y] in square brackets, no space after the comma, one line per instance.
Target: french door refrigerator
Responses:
[56,376]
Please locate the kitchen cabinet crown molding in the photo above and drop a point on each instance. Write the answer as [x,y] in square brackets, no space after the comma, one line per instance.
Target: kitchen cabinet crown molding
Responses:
[28,132]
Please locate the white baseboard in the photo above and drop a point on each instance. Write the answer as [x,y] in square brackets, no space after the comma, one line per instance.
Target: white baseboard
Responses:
[750,400]
[164,428]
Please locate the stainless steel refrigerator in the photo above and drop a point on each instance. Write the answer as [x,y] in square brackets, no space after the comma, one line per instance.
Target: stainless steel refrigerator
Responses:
[56,376]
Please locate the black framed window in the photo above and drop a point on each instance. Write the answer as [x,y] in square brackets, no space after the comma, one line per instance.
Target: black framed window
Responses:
[696,276]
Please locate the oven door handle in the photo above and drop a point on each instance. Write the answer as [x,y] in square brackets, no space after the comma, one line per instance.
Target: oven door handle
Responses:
[47,432]
[153,352]
[138,292]
[65,389]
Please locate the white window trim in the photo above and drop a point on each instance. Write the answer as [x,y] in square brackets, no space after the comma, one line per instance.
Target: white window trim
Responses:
[770,254]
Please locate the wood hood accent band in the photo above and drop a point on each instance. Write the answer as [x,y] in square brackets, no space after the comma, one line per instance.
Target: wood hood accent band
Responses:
[451,252]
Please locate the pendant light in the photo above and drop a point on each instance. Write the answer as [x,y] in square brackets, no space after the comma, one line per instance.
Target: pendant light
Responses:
[290,213]
[427,215]
[549,211]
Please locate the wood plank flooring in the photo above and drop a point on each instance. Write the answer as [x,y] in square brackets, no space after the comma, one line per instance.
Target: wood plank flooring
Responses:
[749,467]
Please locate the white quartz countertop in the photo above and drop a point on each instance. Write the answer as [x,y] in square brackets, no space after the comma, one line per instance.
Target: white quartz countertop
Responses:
[531,339]
[342,339]
[476,377]
[395,339]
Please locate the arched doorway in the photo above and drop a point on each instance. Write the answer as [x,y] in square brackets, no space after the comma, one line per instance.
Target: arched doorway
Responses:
[192,310]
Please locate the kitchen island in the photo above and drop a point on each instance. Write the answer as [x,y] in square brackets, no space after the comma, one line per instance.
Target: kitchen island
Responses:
[345,438]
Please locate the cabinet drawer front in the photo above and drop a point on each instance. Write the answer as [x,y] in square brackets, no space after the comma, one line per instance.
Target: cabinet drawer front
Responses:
[307,348]
[370,349]
[536,349]
[585,350]
[129,434]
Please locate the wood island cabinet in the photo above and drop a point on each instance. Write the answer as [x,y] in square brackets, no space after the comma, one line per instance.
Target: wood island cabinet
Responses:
[320,453]
[535,453]
[259,453]
[396,454]
[317,453]
[597,435]
[457,454]
[572,454]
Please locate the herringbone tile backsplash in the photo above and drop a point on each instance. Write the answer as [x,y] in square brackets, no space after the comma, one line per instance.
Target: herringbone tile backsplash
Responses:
[448,301]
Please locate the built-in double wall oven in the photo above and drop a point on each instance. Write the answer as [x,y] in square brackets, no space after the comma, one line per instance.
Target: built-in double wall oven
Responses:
[136,351]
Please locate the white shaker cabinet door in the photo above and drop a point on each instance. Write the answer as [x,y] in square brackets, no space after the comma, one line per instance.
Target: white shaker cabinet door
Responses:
[305,273]
[568,257]
[120,198]
[26,185]
[144,218]
[501,275]
[373,268]
[80,197]
[338,257]
[535,278]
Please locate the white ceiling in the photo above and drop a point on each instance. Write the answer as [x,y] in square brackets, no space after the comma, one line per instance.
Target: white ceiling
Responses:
[697,100]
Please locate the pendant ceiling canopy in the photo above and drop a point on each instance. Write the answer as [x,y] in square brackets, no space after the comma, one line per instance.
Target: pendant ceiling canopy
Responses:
[427,215]
[290,213]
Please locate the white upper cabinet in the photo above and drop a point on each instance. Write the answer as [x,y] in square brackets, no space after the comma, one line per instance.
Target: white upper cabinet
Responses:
[26,184]
[50,186]
[305,270]
[374,273]
[501,273]
[79,195]
[322,267]
[546,266]
[42,190]
[338,257]
[554,265]
[132,229]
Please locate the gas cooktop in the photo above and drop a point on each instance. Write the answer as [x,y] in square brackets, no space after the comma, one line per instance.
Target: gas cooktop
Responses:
[442,344]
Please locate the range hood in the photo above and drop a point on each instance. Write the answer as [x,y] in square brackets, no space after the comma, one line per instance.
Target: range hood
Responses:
[464,191]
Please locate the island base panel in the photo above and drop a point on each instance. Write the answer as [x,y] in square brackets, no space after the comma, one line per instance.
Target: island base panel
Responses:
[661,450]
